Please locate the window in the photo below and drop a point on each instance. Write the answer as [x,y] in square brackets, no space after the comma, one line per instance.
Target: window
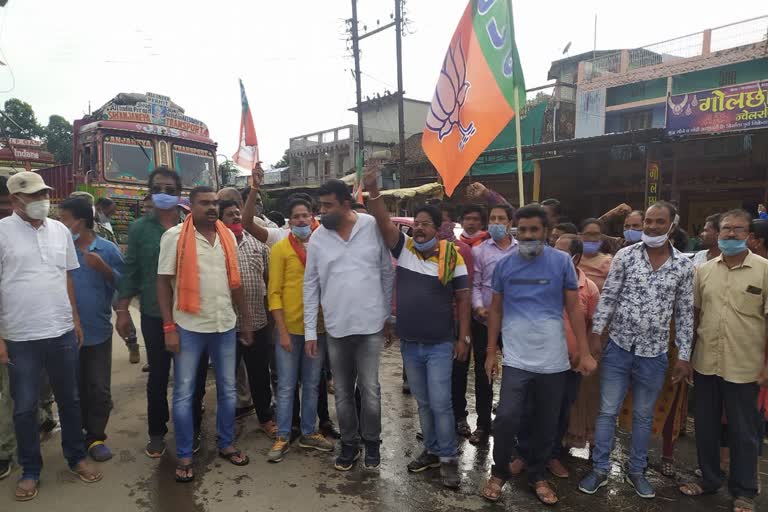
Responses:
[637,90]
[128,159]
[727,78]
[195,166]
[639,120]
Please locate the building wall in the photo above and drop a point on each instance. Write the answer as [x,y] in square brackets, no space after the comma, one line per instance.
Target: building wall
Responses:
[639,91]
[615,121]
[711,78]
[381,124]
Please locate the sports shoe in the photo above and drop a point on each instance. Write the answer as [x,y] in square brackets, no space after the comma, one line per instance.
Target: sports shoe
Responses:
[642,486]
[372,455]
[5,468]
[463,429]
[99,451]
[278,450]
[593,482]
[317,442]
[423,462]
[134,356]
[449,472]
[155,447]
[346,459]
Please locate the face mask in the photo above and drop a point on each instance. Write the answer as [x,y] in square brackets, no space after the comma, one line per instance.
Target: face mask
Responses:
[237,229]
[38,210]
[655,241]
[467,235]
[732,247]
[446,232]
[592,247]
[633,235]
[75,236]
[425,246]
[498,231]
[331,220]
[301,232]
[529,249]
[165,201]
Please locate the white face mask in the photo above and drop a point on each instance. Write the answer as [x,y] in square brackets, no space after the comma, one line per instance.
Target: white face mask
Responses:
[38,210]
[655,241]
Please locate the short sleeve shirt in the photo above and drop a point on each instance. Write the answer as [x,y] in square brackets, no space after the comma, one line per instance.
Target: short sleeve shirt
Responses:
[424,304]
[533,291]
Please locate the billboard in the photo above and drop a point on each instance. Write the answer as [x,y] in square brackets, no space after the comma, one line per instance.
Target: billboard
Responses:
[730,108]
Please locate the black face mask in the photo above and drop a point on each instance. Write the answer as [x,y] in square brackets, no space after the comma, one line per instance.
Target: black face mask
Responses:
[331,220]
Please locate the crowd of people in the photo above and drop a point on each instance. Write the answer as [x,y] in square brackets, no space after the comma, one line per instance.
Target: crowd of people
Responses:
[578,329]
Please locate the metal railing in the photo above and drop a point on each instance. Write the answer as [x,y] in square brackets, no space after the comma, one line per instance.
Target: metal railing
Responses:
[734,35]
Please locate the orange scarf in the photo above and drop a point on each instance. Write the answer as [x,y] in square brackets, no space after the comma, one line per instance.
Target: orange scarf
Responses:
[298,245]
[480,237]
[187,272]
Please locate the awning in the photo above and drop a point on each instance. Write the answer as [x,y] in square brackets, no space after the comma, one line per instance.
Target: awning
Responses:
[428,190]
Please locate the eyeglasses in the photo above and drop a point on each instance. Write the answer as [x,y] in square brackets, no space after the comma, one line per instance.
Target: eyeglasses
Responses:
[423,224]
[736,230]
[170,190]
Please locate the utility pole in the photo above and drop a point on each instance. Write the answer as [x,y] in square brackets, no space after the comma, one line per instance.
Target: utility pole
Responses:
[400,92]
[359,90]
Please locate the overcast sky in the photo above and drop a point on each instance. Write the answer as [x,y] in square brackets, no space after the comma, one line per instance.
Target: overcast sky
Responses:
[291,54]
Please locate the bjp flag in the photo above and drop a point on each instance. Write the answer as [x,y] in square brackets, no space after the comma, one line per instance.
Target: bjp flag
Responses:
[475,94]
[247,155]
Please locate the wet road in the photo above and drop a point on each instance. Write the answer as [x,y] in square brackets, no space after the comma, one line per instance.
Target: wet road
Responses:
[306,481]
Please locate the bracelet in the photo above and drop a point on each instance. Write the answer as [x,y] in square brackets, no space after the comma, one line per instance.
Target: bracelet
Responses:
[374,198]
[169,327]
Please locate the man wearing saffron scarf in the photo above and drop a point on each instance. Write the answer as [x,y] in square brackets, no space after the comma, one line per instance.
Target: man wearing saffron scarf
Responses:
[473,221]
[430,276]
[198,289]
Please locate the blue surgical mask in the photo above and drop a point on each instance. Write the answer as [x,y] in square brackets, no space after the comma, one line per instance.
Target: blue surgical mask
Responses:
[425,246]
[732,247]
[165,201]
[75,236]
[301,232]
[498,231]
[591,248]
[633,235]
[529,249]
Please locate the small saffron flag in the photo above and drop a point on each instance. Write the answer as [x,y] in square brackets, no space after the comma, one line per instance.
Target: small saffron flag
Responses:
[475,94]
[247,155]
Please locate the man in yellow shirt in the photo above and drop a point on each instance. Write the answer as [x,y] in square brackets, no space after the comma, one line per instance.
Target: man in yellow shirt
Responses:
[286,302]
[731,304]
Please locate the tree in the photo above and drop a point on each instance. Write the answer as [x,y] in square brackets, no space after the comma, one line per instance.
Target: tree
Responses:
[283,162]
[58,136]
[19,120]
[227,173]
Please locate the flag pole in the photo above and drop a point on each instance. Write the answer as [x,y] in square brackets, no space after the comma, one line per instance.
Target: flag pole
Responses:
[518,145]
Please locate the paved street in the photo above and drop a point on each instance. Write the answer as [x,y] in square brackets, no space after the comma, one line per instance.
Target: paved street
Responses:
[307,481]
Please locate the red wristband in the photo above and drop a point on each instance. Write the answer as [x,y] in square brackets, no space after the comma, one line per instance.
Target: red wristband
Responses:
[169,327]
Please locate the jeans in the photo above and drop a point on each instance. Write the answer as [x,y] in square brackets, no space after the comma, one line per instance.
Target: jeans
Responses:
[221,347]
[256,359]
[291,365]
[430,368]
[355,359]
[711,395]
[95,393]
[159,361]
[545,392]
[570,394]
[59,358]
[483,388]
[7,436]
[646,374]
[459,374]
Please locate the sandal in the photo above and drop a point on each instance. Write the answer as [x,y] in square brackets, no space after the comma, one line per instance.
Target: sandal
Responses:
[187,470]
[233,456]
[270,428]
[668,467]
[493,488]
[26,494]
[545,493]
[693,489]
[86,474]
[743,505]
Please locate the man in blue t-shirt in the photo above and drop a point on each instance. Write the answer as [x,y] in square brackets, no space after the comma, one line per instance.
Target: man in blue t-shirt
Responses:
[531,287]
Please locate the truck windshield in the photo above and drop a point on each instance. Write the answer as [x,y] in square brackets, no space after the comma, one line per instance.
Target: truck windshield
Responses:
[124,160]
[195,166]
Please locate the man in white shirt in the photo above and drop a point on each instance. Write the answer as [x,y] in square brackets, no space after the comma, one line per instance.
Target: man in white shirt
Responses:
[349,272]
[39,327]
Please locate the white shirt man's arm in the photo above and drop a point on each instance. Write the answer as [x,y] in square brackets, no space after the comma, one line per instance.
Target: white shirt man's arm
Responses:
[311,294]
[387,276]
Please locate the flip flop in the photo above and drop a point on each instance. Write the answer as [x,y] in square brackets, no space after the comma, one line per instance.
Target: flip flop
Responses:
[96,476]
[27,496]
[186,468]
[235,454]
[493,489]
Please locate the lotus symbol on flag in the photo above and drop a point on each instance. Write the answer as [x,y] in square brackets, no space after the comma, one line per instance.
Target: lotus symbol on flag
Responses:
[450,94]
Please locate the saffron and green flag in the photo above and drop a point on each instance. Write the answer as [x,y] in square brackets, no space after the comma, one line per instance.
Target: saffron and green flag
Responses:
[475,94]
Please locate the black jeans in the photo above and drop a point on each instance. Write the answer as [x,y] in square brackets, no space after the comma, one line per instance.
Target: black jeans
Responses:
[483,388]
[546,392]
[95,392]
[570,394]
[159,361]
[257,358]
[459,389]
[711,394]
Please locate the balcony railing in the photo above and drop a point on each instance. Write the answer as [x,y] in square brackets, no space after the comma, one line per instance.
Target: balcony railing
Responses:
[734,35]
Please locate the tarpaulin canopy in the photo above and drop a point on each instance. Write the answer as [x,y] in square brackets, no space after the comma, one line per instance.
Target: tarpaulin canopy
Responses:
[428,190]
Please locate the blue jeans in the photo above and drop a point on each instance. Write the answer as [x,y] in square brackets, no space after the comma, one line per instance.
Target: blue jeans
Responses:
[620,367]
[430,367]
[222,348]
[289,366]
[59,358]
